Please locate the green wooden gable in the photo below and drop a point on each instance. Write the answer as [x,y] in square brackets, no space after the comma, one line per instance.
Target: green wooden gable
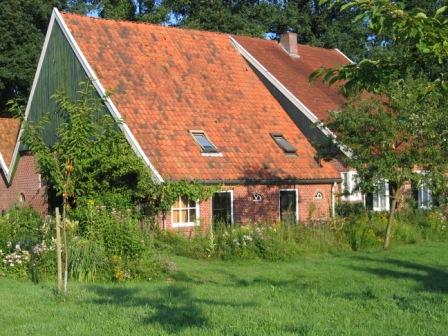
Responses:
[61,72]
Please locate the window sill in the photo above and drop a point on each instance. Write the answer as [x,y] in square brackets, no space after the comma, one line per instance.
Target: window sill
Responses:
[184,225]
[212,154]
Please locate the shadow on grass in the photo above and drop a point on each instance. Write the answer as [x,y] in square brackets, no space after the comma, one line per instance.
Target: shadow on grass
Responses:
[174,308]
[231,280]
[429,278]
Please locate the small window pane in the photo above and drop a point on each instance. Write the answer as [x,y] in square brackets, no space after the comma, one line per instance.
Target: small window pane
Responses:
[204,142]
[284,144]
[192,215]
[192,204]
[183,202]
[183,216]
[176,216]
[346,182]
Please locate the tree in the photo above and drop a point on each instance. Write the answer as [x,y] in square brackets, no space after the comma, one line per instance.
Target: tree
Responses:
[90,158]
[23,24]
[395,120]
[419,39]
[316,24]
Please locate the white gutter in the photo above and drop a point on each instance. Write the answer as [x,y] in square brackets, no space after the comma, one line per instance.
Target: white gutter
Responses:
[284,90]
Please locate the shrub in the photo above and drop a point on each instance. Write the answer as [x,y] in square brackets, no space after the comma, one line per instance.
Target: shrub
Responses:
[26,244]
[347,209]
[117,231]
[22,225]
[111,245]
[88,260]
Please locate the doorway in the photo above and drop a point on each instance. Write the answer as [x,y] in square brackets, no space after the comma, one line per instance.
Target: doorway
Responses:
[222,208]
[288,206]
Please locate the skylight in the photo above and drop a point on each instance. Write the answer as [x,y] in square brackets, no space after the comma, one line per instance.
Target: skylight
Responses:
[283,143]
[204,142]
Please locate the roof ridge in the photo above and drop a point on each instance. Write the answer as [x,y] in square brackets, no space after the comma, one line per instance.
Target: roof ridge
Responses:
[157,25]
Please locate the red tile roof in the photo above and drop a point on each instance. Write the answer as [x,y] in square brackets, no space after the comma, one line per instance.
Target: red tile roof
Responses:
[167,81]
[294,72]
[9,130]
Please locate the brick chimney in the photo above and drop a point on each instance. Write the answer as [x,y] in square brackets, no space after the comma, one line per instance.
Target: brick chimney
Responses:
[288,41]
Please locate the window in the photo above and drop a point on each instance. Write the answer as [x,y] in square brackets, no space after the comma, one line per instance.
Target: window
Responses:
[204,142]
[424,197]
[350,187]
[283,143]
[381,196]
[185,212]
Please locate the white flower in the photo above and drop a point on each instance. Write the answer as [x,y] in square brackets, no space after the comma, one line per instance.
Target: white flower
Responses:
[8,244]
[18,247]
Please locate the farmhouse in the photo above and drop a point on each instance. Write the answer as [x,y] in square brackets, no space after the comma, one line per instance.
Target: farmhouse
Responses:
[233,111]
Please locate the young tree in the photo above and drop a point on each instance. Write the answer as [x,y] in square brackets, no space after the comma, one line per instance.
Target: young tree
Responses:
[82,154]
[394,124]
[390,138]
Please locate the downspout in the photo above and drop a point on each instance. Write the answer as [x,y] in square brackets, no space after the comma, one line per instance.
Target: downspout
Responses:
[164,220]
[333,200]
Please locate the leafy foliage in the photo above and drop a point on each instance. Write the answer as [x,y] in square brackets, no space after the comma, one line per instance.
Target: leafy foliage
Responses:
[417,40]
[389,139]
[91,159]
[22,27]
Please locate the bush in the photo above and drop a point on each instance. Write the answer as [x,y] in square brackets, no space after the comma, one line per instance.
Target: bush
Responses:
[22,225]
[261,241]
[118,232]
[110,244]
[102,242]
[26,244]
[347,209]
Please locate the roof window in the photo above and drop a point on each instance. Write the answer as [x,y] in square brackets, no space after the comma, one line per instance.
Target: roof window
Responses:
[283,143]
[206,145]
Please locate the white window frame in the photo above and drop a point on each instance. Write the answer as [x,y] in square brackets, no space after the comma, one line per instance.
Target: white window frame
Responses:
[297,203]
[186,224]
[352,196]
[376,194]
[231,203]
[424,189]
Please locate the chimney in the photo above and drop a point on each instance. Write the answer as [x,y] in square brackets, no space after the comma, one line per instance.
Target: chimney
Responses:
[288,41]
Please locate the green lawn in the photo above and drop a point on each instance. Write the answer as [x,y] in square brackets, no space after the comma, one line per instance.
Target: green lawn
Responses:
[401,292]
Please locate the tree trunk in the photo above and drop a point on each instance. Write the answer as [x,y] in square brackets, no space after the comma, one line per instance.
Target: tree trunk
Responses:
[58,250]
[395,195]
[64,228]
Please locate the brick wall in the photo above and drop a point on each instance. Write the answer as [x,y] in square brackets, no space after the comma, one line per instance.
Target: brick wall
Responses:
[26,185]
[246,210]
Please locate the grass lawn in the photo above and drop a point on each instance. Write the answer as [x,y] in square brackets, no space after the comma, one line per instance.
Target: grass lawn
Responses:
[401,292]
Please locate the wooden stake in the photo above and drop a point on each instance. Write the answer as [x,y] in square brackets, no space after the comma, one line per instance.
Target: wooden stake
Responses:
[58,250]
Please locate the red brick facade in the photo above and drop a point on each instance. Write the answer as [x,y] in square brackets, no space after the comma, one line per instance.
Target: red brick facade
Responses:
[247,210]
[26,187]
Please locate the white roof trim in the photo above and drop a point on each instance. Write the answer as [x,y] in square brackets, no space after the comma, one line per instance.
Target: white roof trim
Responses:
[3,166]
[9,170]
[291,97]
[344,55]
[102,92]
[56,16]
